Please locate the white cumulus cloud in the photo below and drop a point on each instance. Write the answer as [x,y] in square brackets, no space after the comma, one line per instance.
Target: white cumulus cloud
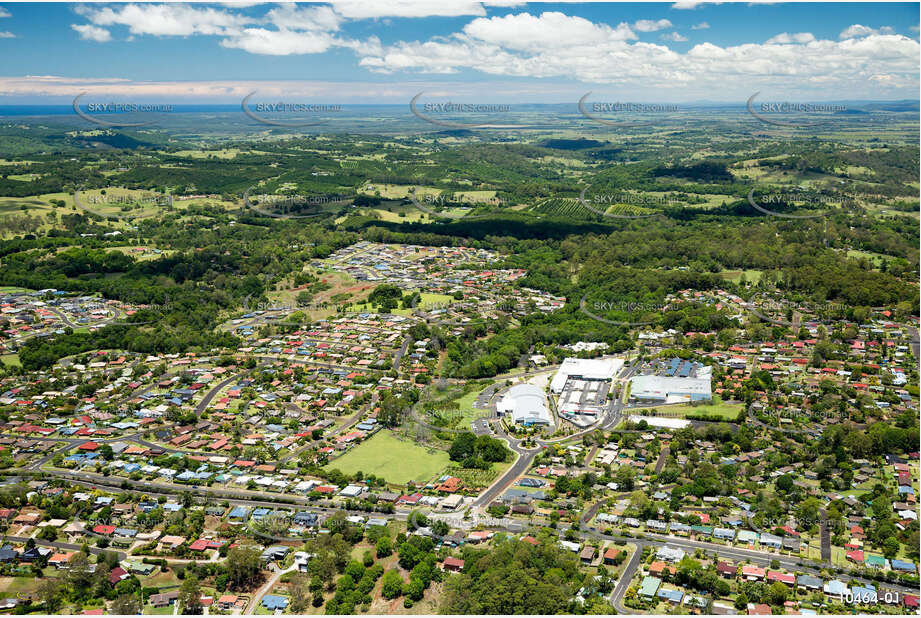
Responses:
[553,45]
[165,19]
[92,33]
[785,38]
[295,17]
[692,4]
[857,30]
[279,42]
[547,45]
[649,25]
[549,31]
[374,9]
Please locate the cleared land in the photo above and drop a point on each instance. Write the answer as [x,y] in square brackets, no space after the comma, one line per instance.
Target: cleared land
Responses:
[752,276]
[726,410]
[11,360]
[395,460]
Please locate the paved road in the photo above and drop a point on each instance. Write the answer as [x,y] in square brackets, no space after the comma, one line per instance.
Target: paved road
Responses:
[303,361]
[617,595]
[65,546]
[399,355]
[591,455]
[764,558]
[83,206]
[526,456]
[592,511]
[756,421]
[211,394]
[914,342]
[266,587]
[70,443]
[521,465]
[326,435]
[248,498]
[825,536]
[62,317]
[663,456]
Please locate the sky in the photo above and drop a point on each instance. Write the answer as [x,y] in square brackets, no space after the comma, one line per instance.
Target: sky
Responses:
[386,51]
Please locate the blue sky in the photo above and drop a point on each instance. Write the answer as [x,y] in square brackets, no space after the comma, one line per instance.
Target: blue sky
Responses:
[353,51]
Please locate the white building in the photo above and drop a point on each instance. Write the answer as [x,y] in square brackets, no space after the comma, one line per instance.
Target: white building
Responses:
[671,389]
[586,369]
[526,404]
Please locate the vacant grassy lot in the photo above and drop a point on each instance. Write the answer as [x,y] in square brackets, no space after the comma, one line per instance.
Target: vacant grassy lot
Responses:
[752,276]
[728,411]
[428,302]
[398,214]
[225,153]
[874,258]
[396,460]
[397,192]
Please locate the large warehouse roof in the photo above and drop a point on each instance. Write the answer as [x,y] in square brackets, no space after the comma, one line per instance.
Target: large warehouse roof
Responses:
[526,404]
[589,368]
[667,388]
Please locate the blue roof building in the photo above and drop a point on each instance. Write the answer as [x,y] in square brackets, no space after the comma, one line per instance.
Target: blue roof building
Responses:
[239,512]
[670,595]
[724,533]
[836,588]
[864,596]
[274,601]
[649,586]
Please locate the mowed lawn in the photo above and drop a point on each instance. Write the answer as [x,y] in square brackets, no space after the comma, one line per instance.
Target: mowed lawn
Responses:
[397,461]
[729,411]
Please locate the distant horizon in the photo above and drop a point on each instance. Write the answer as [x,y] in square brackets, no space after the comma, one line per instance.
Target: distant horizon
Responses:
[192,106]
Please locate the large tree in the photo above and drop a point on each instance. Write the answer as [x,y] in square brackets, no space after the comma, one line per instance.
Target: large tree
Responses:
[190,596]
[243,567]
